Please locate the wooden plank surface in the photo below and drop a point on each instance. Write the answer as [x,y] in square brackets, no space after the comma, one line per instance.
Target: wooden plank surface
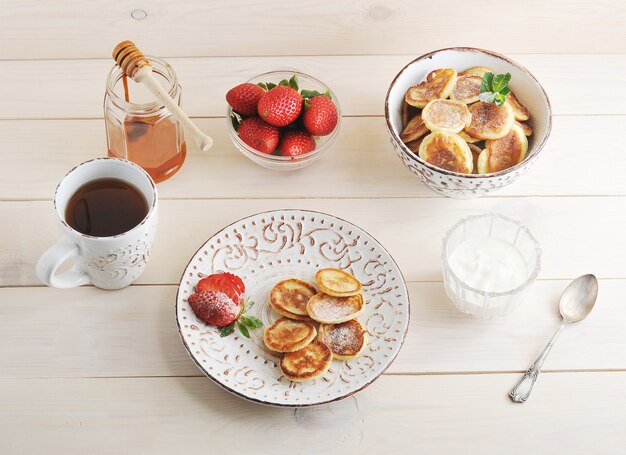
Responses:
[361,164]
[197,27]
[75,88]
[410,229]
[569,413]
[88,332]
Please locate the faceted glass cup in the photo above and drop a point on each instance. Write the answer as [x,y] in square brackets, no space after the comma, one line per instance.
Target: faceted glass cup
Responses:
[480,303]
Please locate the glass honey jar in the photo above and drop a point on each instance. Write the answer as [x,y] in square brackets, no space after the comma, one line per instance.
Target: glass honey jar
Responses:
[139,128]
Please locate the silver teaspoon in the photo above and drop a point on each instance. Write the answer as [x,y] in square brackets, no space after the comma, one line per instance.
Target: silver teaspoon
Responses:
[576,303]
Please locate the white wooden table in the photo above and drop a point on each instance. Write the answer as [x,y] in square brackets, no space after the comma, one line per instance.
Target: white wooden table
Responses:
[86,371]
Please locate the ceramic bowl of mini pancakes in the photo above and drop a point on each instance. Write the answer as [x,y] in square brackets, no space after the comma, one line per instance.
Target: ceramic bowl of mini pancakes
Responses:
[457,144]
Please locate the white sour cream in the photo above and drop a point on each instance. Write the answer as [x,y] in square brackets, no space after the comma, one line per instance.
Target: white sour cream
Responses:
[489,264]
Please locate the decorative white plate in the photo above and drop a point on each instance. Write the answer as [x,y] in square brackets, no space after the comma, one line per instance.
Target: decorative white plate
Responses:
[266,248]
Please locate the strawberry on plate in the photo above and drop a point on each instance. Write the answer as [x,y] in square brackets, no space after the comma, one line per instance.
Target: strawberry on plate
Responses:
[214,308]
[280,106]
[296,142]
[218,302]
[320,115]
[244,98]
[259,135]
[229,284]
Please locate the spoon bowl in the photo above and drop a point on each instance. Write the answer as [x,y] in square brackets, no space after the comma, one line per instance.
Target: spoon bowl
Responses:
[578,298]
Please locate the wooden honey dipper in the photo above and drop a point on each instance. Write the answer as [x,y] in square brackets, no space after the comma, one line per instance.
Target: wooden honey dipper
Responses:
[136,66]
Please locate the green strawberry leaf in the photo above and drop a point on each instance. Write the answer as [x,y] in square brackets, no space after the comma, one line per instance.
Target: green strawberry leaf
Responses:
[284,82]
[227,330]
[327,94]
[270,85]
[236,121]
[263,85]
[251,321]
[243,329]
[306,94]
[293,82]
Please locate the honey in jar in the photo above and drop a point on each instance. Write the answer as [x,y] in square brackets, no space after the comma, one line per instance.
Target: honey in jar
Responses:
[139,128]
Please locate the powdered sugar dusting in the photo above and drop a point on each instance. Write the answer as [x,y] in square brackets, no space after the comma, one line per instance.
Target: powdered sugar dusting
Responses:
[332,308]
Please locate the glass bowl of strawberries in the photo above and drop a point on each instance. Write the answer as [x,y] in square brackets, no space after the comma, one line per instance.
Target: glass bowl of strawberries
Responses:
[283,120]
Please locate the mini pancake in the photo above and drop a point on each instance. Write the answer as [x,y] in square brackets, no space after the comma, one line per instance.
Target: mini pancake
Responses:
[337,282]
[414,129]
[447,116]
[414,146]
[290,297]
[440,85]
[327,309]
[447,151]
[519,110]
[476,151]
[467,89]
[490,121]
[310,362]
[287,335]
[526,128]
[408,112]
[346,340]
[479,71]
[467,138]
[503,153]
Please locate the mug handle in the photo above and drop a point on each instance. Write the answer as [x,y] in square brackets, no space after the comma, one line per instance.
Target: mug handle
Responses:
[52,259]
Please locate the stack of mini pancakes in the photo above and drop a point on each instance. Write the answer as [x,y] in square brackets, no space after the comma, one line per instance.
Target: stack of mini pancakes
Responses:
[463,134]
[308,347]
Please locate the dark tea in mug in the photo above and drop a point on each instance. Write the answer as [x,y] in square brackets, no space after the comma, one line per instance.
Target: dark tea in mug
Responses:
[106,207]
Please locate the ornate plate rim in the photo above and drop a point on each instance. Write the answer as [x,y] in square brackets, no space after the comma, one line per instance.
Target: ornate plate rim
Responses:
[292,405]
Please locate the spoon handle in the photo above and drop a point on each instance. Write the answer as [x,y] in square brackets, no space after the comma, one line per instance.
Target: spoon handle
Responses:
[521,391]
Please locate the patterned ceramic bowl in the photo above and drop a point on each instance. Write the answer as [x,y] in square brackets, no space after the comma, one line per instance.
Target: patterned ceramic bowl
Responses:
[523,84]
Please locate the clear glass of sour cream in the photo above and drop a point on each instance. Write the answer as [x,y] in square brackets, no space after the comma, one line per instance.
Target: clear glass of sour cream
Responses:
[489,264]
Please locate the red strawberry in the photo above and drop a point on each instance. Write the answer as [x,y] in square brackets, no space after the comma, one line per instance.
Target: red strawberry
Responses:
[214,308]
[245,98]
[259,135]
[280,106]
[229,284]
[296,142]
[320,116]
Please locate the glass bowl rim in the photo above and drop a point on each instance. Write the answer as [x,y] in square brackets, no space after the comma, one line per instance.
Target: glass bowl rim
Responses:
[531,277]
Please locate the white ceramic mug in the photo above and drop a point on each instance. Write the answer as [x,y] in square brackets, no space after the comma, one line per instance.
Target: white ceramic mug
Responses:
[106,262]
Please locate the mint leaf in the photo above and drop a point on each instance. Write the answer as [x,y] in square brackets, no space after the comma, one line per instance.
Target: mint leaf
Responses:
[227,330]
[249,303]
[500,82]
[251,321]
[293,82]
[494,89]
[499,99]
[243,329]
[486,84]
